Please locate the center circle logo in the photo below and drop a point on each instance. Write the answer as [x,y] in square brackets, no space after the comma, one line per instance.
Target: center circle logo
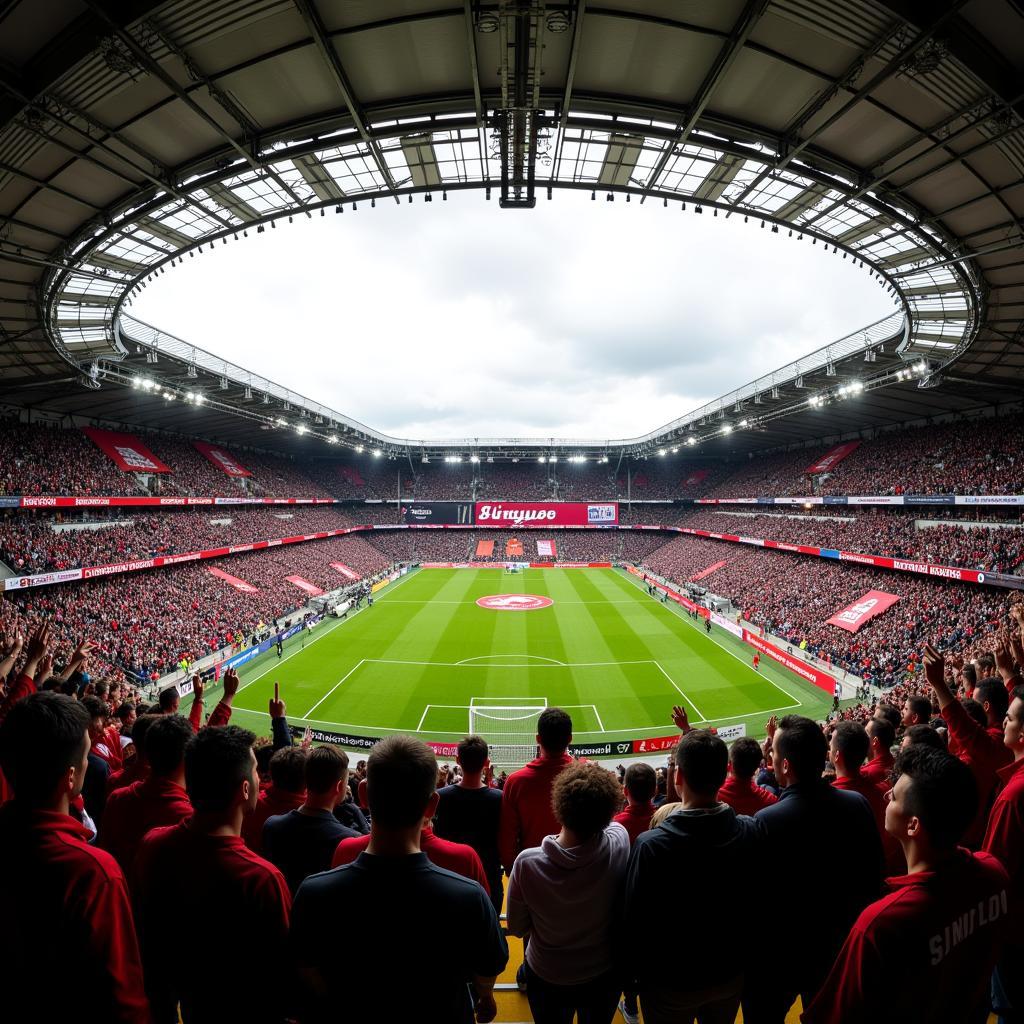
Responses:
[515,602]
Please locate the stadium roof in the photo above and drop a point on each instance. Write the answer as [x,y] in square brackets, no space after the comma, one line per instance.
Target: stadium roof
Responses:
[134,134]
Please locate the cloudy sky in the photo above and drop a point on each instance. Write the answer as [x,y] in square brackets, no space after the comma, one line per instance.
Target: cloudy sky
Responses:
[457,319]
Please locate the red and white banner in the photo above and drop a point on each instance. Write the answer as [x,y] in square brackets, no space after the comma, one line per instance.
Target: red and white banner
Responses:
[127,451]
[832,458]
[131,500]
[222,459]
[305,585]
[546,549]
[345,571]
[866,607]
[234,581]
[546,513]
[708,571]
[795,665]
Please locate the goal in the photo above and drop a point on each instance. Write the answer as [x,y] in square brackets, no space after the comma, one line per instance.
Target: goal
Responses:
[510,731]
[512,569]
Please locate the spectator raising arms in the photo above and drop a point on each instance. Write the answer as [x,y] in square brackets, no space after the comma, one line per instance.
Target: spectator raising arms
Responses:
[926,950]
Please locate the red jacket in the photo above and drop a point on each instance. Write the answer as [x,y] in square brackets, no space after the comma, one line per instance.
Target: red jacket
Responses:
[875,796]
[69,940]
[744,797]
[636,819]
[130,813]
[271,801]
[982,750]
[526,814]
[457,857]
[925,952]
[878,768]
[134,771]
[1004,837]
[192,888]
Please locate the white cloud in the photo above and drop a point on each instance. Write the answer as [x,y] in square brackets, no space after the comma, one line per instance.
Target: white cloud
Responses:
[458,319]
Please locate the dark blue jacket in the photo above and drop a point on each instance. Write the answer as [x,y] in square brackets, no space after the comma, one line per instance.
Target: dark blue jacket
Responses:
[697,866]
[826,863]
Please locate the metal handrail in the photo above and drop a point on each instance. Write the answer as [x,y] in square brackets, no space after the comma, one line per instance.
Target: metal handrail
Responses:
[140,332]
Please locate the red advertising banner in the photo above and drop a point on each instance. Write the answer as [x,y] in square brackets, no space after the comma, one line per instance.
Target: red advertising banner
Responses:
[865,608]
[832,458]
[546,513]
[305,585]
[795,665]
[221,458]
[345,571]
[126,451]
[234,581]
[174,501]
[708,571]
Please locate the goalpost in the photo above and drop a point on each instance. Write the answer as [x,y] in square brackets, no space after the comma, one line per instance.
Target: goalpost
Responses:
[510,729]
[512,569]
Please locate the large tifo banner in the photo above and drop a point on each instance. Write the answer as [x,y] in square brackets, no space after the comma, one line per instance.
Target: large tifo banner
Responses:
[346,571]
[234,581]
[546,549]
[442,513]
[708,571]
[547,513]
[865,608]
[221,458]
[305,585]
[832,458]
[126,451]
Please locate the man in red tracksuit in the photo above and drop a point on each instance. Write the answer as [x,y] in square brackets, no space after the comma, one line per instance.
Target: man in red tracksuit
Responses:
[980,748]
[197,882]
[1004,839]
[153,802]
[739,791]
[286,792]
[70,952]
[847,750]
[526,813]
[925,951]
[640,786]
[882,736]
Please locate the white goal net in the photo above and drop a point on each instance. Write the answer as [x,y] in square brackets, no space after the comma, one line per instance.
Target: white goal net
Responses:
[510,731]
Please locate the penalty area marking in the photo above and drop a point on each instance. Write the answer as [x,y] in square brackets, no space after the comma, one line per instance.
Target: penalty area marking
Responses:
[525,657]
[483,707]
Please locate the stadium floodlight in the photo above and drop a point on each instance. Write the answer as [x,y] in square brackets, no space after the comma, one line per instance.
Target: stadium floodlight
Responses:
[301,428]
[281,421]
[856,387]
[377,453]
[552,458]
[663,452]
[727,428]
[540,458]
[332,439]
[474,458]
[691,440]
[675,451]
[359,449]
[744,423]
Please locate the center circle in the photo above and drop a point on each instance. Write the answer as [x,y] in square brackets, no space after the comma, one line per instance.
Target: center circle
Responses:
[514,602]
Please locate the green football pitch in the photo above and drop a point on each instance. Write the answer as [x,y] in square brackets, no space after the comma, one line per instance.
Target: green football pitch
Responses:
[426,654]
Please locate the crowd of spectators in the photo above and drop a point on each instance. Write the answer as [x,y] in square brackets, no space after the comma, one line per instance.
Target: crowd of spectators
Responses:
[131,836]
[792,596]
[995,547]
[38,541]
[145,622]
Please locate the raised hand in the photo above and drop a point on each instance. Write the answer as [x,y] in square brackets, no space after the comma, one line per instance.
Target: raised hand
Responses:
[277,708]
[198,687]
[935,672]
[771,725]
[680,718]
[231,684]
